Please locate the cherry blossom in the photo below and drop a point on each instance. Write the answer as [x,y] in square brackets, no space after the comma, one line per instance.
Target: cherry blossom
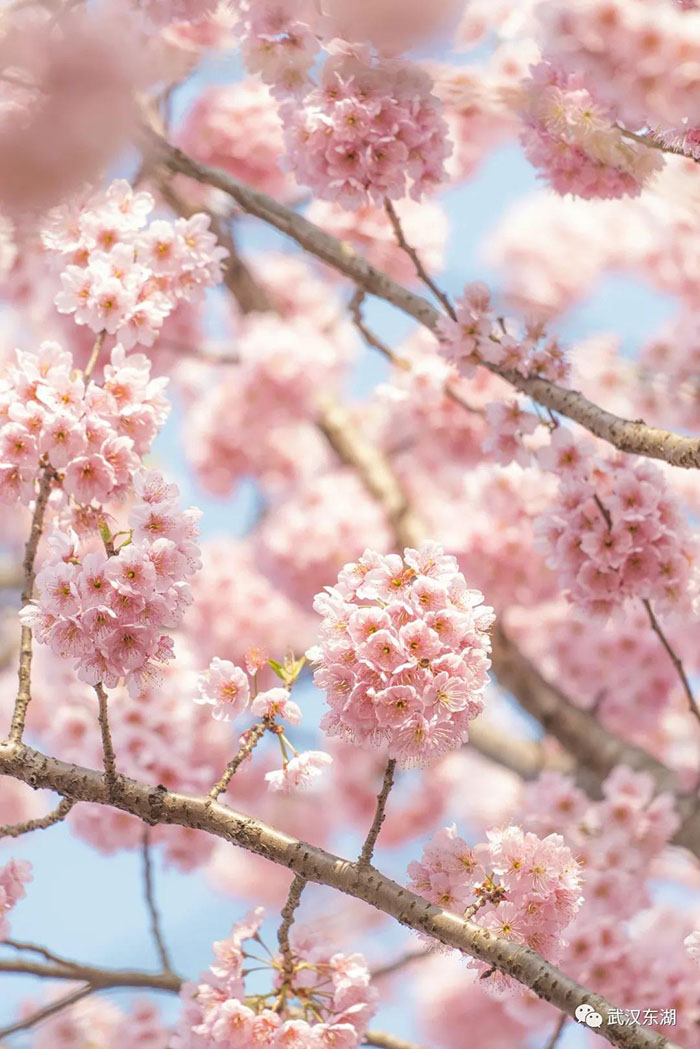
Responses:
[403,653]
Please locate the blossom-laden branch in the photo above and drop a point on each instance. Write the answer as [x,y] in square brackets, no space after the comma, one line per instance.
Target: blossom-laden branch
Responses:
[105,979]
[24,691]
[149,894]
[380,813]
[15,830]
[628,435]
[155,805]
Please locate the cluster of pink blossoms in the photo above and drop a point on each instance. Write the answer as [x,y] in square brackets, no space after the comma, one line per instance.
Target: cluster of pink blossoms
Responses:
[575,143]
[326,1003]
[522,887]
[108,612]
[367,132]
[236,127]
[94,436]
[122,275]
[639,56]
[13,877]
[617,532]
[226,688]
[279,40]
[403,657]
[478,336]
[256,418]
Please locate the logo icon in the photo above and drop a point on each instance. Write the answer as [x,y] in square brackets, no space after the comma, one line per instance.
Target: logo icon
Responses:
[586,1014]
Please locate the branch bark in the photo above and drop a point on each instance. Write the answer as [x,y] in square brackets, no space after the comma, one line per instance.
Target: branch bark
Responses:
[58,814]
[628,435]
[154,805]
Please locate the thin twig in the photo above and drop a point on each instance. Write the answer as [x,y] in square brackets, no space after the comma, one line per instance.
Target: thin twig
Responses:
[415,259]
[401,962]
[355,307]
[151,902]
[48,1010]
[655,143]
[94,355]
[293,898]
[35,948]
[96,977]
[380,813]
[656,627]
[24,691]
[107,745]
[252,738]
[55,816]
[556,1033]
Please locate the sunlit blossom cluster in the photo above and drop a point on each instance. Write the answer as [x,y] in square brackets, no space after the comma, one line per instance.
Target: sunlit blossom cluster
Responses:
[108,612]
[639,56]
[575,144]
[123,275]
[326,1001]
[92,435]
[520,886]
[616,533]
[403,653]
[367,132]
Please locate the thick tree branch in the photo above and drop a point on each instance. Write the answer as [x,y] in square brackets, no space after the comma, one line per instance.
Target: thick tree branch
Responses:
[155,805]
[628,435]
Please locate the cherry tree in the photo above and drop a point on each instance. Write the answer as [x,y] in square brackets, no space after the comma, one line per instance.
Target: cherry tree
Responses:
[432,723]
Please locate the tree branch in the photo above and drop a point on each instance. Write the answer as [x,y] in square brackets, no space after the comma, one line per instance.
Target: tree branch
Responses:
[353,449]
[24,691]
[293,900]
[252,738]
[380,813]
[675,659]
[97,978]
[48,1010]
[416,259]
[633,436]
[107,745]
[151,902]
[55,816]
[156,805]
